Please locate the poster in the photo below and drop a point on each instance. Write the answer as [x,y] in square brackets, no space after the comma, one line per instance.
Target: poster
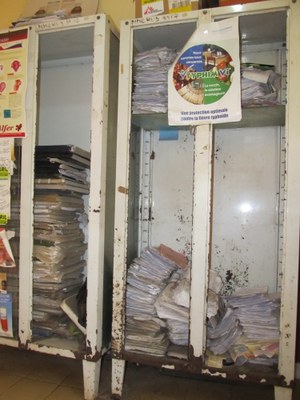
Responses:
[13,82]
[204,80]
[6,328]
[6,171]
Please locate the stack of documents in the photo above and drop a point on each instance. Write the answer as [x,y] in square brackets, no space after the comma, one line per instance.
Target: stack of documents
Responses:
[150,92]
[147,277]
[63,167]
[223,327]
[173,306]
[61,179]
[225,334]
[259,314]
[260,85]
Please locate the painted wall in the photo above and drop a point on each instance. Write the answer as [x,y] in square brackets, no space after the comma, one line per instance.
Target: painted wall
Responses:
[118,10]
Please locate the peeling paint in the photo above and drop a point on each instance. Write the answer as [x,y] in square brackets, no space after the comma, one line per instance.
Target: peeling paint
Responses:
[220,374]
[122,189]
[167,366]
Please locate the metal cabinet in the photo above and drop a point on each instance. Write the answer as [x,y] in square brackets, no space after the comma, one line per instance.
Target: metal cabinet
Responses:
[225,195]
[71,98]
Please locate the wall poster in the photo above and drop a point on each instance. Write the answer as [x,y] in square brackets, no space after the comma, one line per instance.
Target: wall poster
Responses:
[204,80]
[13,82]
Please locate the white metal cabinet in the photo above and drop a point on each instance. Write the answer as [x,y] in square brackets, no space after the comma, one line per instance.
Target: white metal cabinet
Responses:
[264,144]
[72,99]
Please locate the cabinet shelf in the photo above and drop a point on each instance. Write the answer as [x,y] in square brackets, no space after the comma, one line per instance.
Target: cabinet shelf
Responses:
[251,117]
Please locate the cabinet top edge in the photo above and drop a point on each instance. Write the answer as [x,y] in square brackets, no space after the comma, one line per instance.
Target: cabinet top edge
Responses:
[224,11]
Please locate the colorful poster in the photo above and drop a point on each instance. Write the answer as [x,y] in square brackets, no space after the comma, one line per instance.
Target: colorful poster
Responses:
[13,82]
[6,171]
[6,328]
[204,81]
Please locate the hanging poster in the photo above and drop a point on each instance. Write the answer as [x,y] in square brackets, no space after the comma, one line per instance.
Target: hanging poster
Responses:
[6,328]
[6,171]
[13,82]
[204,80]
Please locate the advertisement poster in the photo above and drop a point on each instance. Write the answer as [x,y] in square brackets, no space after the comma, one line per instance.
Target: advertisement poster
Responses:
[13,82]
[6,171]
[204,81]
[6,328]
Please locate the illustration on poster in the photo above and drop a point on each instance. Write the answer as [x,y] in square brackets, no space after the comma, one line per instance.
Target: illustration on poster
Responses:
[203,74]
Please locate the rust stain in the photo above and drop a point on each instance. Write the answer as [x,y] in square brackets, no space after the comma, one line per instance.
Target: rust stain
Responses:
[122,189]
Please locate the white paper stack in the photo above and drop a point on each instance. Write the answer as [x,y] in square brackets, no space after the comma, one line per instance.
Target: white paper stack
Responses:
[258,314]
[150,92]
[260,86]
[173,306]
[147,276]
[223,328]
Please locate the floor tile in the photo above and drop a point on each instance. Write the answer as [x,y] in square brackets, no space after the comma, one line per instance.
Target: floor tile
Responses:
[7,379]
[26,375]
[54,371]
[28,389]
[66,393]
[17,361]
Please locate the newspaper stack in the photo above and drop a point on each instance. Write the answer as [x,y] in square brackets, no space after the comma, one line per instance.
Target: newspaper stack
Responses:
[150,92]
[258,313]
[61,179]
[173,305]
[223,327]
[147,277]
[260,85]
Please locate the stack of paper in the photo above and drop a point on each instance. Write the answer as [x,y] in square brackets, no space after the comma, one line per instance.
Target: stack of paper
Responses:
[63,167]
[260,85]
[223,328]
[150,92]
[147,276]
[258,313]
[225,334]
[173,305]
[61,178]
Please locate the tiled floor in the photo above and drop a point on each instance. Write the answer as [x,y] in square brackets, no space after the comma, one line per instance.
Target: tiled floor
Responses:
[28,375]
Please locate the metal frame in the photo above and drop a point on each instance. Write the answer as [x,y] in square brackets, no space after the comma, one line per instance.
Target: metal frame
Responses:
[202,206]
[101,115]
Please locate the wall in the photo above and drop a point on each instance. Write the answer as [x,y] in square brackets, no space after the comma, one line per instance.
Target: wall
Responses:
[118,10]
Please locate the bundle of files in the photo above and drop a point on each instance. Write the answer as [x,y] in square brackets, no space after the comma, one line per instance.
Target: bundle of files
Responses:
[260,85]
[223,327]
[150,93]
[245,327]
[147,277]
[61,180]
[258,313]
[173,305]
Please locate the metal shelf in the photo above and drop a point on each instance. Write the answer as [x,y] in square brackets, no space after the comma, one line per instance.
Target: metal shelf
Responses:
[251,117]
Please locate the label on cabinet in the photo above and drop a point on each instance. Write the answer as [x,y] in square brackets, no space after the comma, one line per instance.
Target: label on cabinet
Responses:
[204,81]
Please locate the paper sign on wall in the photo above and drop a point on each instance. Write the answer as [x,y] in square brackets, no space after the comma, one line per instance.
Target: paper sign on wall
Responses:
[204,81]
[13,82]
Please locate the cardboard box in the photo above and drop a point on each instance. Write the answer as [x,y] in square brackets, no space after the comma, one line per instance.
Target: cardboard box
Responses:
[71,7]
[177,6]
[146,8]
